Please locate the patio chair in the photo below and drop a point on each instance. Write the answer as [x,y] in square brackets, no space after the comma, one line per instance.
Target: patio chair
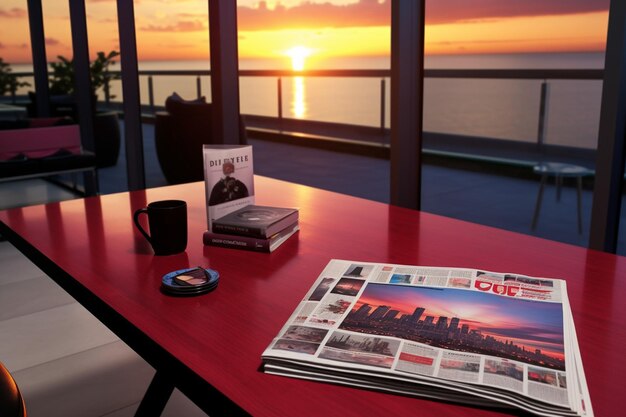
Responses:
[179,134]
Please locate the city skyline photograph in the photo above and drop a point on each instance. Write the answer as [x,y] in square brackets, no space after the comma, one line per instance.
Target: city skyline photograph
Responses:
[530,325]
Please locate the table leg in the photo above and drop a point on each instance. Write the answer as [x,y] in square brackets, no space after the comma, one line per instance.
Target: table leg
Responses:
[91,182]
[538,203]
[156,397]
[559,182]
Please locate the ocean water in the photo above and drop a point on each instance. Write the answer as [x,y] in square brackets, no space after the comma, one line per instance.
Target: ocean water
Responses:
[503,109]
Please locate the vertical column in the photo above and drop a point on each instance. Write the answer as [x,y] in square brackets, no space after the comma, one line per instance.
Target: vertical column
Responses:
[130,94]
[407,79]
[224,71]
[542,125]
[38,48]
[85,100]
[279,93]
[383,94]
[611,153]
[82,77]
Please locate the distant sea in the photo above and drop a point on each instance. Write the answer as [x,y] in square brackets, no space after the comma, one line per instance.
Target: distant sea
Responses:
[503,109]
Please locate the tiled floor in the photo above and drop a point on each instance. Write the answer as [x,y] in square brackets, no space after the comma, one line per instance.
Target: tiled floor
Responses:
[68,364]
[64,360]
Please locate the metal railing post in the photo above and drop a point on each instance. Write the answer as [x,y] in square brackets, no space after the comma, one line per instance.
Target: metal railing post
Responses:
[382,104]
[107,92]
[280,99]
[198,87]
[543,113]
[151,93]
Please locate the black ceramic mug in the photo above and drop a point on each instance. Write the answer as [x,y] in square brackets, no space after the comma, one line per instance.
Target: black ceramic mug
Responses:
[167,220]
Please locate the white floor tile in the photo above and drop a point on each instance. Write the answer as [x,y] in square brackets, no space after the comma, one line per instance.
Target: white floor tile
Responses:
[91,383]
[49,335]
[29,192]
[7,250]
[124,412]
[31,296]
[15,266]
[177,406]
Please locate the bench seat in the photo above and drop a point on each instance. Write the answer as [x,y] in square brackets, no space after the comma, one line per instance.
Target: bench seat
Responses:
[45,151]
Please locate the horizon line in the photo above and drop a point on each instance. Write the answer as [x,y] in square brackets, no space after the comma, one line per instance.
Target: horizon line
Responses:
[429,54]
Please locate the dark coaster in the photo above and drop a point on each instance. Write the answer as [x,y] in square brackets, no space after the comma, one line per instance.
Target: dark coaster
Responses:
[190,281]
[193,278]
[186,293]
[195,291]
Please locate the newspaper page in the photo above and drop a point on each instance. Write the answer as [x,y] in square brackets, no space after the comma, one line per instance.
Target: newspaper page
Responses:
[228,179]
[447,333]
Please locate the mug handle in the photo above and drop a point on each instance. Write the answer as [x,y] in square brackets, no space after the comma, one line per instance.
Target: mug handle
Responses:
[136,220]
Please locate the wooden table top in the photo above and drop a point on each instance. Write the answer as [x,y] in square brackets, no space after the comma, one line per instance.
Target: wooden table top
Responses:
[212,344]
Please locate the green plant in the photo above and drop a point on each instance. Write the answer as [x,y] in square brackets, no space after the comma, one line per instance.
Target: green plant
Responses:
[8,81]
[62,77]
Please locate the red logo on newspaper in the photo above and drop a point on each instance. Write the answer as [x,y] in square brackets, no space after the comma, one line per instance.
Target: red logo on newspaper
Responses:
[512,289]
[422,360]
[501,289]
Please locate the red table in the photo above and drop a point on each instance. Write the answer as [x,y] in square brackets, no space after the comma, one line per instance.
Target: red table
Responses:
[210,346]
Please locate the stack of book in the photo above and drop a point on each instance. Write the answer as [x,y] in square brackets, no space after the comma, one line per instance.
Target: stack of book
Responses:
[257,228]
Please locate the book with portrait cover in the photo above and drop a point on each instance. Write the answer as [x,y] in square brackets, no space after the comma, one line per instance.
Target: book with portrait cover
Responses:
[228,179]
[256,221]
[250,243]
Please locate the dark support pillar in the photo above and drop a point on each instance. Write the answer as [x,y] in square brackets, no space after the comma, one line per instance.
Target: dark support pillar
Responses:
[40,65]
[130,92]
[82,79]
[611,154]
[224,71]
[407,79]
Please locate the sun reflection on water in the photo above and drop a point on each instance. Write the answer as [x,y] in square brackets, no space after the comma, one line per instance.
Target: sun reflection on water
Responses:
[298,103]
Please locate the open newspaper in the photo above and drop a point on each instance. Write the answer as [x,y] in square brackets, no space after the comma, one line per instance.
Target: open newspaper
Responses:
[463,335]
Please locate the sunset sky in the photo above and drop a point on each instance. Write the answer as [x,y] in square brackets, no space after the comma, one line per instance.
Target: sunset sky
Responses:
[529,323]
[178,29]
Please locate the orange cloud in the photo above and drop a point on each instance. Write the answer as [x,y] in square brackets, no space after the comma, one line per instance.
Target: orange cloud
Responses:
[375,13]
[13,46]
[313,15]
[52,42]
[454,11]
[182,26]
[14,13]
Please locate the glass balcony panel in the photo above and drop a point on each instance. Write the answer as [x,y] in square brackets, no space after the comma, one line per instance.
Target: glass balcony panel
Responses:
[491,108]
[574,113]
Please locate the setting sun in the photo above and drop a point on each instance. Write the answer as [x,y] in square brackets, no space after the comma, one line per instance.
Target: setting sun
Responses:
[298,54]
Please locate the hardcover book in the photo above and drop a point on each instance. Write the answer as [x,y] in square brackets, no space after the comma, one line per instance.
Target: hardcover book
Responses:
[228,179]
[256,221]
[250,243]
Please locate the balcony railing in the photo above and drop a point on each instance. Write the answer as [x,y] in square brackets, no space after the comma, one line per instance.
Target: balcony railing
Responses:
[544,75]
